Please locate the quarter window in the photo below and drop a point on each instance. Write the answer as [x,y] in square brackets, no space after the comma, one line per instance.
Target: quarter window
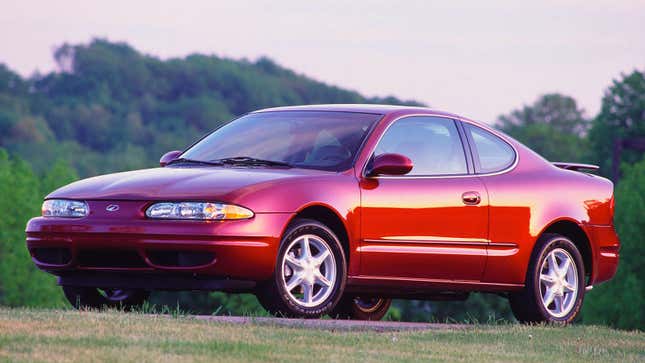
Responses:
[432,143]
[494,154]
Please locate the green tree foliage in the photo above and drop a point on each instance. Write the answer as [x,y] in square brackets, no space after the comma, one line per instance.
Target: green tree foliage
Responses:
[112,108]
[554,126]
[21,193]
[622,117]
[621,302]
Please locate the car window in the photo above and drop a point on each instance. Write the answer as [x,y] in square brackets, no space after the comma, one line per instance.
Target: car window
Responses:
[432,143]
[494,153]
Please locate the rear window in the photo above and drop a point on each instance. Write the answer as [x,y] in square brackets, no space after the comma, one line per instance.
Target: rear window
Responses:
[492,154]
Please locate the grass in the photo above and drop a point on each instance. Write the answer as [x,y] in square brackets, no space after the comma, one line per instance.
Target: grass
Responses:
[113,336]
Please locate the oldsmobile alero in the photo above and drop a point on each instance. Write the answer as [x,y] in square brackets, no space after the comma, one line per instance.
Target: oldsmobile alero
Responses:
[335,210]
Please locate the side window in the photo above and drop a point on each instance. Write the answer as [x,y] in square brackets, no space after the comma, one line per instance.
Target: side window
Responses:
[432,143]
[494,153]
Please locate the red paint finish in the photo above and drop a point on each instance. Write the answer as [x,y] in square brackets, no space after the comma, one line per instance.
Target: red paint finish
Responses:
[420,228]
[403,234]
[390,164]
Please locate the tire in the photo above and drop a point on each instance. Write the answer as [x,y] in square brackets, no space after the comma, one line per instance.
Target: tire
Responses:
[355,308]
[535,304]
[297,267]
[95,298]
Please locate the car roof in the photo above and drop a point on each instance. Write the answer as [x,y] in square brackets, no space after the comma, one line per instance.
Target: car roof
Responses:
[363,108]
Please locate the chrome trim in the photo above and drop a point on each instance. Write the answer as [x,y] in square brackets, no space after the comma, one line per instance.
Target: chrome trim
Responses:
[503,244]
[575,166]
[456,118]
[429,242]
[473,242]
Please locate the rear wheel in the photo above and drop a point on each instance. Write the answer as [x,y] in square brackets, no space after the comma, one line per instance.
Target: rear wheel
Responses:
[555,283]
[357,308]
[95,298]
[309,276]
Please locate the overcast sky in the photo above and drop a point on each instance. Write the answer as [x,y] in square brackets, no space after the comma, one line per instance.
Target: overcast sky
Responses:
[478,58]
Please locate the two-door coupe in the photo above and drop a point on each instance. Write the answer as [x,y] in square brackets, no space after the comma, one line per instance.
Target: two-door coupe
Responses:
[337,209]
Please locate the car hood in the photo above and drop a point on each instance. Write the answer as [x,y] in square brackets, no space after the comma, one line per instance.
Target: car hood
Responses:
[178,183]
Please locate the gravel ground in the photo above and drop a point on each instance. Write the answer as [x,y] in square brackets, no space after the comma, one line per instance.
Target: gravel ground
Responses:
[334,325]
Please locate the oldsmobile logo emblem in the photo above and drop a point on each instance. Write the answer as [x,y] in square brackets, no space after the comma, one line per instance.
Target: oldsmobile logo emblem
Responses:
[112,208]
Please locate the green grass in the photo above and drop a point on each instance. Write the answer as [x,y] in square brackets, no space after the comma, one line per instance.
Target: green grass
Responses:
[65,335]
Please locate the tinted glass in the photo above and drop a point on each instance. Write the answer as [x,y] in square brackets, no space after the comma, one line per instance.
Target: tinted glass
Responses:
[307,139]
[432,143]
[494,153]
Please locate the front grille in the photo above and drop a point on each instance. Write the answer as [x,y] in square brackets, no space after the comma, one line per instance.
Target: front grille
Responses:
[180,258]
[110,258]
[52,255]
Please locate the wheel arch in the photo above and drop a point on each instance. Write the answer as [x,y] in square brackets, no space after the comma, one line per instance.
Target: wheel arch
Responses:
[328,216]
[571,229]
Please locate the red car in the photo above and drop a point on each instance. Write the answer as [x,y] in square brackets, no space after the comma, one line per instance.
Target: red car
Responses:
[336,210]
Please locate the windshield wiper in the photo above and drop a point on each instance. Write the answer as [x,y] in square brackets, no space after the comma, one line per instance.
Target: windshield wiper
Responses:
[191,161]
[247,160]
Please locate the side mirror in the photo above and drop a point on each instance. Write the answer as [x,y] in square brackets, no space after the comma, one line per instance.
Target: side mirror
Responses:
[390,164]
[168,157]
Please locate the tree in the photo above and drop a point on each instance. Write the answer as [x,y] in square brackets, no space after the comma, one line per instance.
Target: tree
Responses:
[553,126]
[21,283]
[621,302]
[108,97]
[622,117]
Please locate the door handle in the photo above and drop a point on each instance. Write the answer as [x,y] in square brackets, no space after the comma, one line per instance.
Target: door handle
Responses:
[471,198]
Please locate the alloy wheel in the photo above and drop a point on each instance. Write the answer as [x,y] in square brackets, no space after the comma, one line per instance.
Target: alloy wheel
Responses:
[558,282]
[369,305]
[308,270]
[115,295]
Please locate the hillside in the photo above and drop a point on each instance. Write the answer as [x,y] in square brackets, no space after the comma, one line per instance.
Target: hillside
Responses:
[110,107]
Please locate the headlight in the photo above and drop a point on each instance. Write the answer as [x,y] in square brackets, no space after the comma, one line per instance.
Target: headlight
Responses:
[197,210]
[65,208]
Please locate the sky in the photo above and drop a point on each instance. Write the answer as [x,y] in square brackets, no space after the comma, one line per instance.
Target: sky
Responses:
[479,59]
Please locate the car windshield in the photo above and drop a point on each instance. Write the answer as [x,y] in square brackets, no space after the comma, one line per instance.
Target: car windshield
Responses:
[325,140]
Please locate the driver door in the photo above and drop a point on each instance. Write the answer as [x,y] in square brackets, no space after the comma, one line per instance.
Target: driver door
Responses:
[431,223]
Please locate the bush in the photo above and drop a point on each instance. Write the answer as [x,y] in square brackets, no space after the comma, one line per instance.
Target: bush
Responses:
[621,301]
[21,193]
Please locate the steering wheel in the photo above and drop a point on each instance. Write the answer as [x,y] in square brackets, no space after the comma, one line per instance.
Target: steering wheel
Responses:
[332,154]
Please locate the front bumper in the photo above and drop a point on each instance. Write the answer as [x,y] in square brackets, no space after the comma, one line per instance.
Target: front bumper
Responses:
[153,281]
[244,249]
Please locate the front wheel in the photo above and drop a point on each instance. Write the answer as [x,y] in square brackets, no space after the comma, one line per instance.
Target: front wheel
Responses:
[309,276]
[95,298]
[358,308]
[555,283]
